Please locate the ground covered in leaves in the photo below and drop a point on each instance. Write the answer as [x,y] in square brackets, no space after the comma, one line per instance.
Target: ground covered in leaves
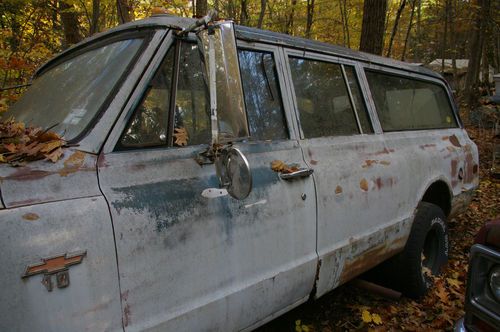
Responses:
[349,308]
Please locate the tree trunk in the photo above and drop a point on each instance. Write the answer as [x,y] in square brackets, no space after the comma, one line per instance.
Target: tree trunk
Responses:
[244,13]
[310,17]
[395,28]
[345,22]
[70,24]
[289,22]
[475,53]
[403,55]
[94,25]
[201,8]
[372,31]
[445,34]
[124,11]
[262,13]
[418,38]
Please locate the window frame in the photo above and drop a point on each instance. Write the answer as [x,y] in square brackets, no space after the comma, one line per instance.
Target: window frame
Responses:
[415,77]
[173,43]
[146,35]
[342,62]
[282,84]
[261,50]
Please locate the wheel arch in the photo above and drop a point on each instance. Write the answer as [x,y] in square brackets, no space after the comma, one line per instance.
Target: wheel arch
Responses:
[438,192]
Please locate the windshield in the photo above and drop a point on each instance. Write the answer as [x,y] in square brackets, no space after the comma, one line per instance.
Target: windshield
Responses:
[68,96]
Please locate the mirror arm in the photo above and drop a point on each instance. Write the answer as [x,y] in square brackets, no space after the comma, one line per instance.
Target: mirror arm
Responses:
[204,21]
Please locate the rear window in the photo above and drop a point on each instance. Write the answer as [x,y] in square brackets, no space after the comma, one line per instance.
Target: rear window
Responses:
[69,95]
[409,104]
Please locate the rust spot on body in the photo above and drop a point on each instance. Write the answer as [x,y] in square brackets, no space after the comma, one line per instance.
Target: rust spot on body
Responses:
[338,190]
[384,151]
[425,146]
[369,163]
[469,168]
[363,184]
[31,216]
[366,260]
[27,174]
[454,140]
[73,163]
[313,162]
[454,164]
[379,183]
[385,162]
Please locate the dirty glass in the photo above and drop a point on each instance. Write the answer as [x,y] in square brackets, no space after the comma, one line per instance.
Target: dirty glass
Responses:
[262,95]
[364,119]
[68,96]
[322,98]
[149,126]
[410,104]
[192,113]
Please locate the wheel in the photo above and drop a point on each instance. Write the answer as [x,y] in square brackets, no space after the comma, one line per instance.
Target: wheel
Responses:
[425,254]
[426,251]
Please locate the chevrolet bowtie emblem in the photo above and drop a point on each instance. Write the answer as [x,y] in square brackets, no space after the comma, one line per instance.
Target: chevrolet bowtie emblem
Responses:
[57,265]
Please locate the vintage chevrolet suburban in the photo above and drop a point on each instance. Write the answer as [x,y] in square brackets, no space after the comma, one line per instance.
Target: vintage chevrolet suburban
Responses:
[219,176]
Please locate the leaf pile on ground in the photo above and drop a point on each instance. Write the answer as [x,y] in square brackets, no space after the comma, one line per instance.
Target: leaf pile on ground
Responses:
[353,309]
[20,144]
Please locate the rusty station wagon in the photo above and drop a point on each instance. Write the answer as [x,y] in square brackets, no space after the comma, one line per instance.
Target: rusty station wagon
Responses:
[220,176]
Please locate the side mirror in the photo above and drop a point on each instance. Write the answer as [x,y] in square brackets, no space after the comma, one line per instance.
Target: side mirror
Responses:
[234,172]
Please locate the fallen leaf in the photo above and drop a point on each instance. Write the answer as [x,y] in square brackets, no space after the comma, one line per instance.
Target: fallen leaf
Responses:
[366,316]
[181,136]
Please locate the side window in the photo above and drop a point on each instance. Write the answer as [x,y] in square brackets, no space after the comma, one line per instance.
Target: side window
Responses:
[261,90]
[322,97]
[409,104]
[357,97]
[154,123]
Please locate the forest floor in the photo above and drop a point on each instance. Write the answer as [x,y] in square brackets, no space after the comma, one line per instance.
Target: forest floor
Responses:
[349,308]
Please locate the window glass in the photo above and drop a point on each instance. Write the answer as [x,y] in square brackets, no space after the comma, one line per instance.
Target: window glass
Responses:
[192,114]
[323,101]
[352,80]
[150,125]
[261,90]
[409,104]
[69,95]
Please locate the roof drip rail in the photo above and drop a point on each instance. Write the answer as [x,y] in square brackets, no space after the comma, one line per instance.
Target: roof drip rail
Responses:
[204,21]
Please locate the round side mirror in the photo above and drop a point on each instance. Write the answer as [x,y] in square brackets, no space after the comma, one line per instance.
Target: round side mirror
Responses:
[234,173]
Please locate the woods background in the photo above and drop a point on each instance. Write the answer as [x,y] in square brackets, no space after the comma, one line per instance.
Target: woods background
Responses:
[411,30]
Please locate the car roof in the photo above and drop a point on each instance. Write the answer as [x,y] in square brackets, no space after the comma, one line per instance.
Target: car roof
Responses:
[254,35]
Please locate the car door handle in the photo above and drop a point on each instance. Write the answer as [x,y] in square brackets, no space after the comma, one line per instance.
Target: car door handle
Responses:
[301,173]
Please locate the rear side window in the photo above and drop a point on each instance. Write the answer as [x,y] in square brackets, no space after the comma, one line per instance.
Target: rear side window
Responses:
[261,89]
[324,105]
[408,104]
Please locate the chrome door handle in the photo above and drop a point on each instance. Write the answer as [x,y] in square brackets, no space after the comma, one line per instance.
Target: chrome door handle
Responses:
[301,173]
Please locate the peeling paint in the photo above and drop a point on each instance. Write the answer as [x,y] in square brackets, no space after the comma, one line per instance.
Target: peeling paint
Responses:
[262,201]
[31,216]
[426,146]
[338,190]
[363,184]
[369,163]
[454,140]
[73,163]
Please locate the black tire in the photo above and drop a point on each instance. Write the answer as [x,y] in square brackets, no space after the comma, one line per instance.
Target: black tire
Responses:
[426,248]
[426,251]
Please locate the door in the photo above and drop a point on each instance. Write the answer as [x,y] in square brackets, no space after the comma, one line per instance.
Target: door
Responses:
[191,257]
[355,174]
